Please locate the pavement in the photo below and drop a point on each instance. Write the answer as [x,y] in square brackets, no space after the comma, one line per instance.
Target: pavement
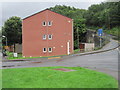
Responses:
[104,60]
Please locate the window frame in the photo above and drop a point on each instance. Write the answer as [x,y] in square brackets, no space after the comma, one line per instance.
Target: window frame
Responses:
[44,23]
[44,50]
[49,23]
[44,38]
[49,37]
[49,50]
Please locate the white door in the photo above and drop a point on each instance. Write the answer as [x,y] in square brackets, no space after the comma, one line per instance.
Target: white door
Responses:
[68,48]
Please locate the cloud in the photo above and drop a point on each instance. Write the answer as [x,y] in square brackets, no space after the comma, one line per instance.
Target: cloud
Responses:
[52,0]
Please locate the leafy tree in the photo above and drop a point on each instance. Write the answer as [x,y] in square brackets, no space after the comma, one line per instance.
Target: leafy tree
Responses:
[79,21]
[106,15]
[12,29]
[79,32]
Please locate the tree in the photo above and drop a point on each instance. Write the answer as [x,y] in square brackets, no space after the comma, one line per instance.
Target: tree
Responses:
[79,32]
[12,29]
[106,15]
[79,21]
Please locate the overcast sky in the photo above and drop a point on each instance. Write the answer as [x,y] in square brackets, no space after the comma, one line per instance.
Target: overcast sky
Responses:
[24,9]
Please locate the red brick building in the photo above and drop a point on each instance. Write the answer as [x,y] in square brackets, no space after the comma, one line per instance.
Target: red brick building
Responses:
[47,33]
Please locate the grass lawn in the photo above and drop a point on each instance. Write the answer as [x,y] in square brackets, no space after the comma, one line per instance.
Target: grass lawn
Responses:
[46,77]
[0,79]
[11,57]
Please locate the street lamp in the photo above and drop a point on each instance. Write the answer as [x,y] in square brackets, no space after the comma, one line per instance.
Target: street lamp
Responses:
[6,39]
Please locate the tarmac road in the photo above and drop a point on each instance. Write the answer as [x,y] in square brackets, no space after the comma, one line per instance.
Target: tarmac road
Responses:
[106,62]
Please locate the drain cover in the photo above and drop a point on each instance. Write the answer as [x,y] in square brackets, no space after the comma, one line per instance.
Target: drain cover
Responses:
[64,69]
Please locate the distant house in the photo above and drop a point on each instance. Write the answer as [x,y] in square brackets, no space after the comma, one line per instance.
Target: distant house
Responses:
[47,33]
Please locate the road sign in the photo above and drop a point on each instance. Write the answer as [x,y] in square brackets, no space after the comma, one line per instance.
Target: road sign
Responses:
[100,32]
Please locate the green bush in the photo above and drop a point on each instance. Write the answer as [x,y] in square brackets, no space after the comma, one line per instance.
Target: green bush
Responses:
[114,31]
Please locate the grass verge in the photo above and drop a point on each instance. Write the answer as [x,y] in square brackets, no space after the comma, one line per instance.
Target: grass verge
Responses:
[115,32]
[46,77]
[11,57]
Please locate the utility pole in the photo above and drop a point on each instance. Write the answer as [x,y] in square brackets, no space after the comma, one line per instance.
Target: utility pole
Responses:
[108,21]
[78,37]
[100,42]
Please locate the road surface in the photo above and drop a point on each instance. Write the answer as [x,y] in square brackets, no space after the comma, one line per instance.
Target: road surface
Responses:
[106,62]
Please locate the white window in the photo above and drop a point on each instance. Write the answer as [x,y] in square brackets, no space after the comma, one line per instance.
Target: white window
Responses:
[44,37]
[49,23]
[44,23]
[49,37]
[49,49]
[44,50]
